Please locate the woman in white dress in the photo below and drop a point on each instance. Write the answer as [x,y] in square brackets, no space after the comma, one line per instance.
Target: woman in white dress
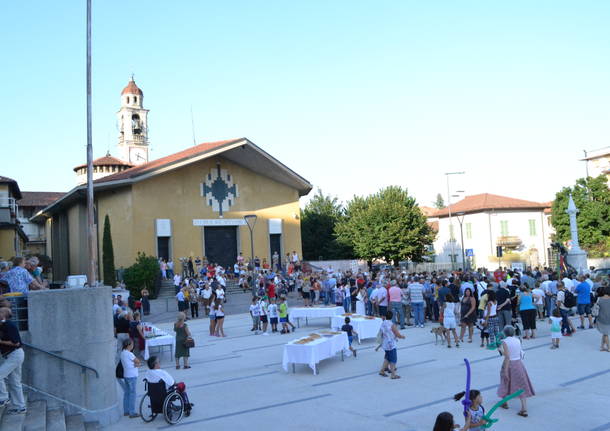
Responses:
[360,300]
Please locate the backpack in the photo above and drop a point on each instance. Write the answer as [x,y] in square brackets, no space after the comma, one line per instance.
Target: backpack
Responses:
[570,299]
[119,370]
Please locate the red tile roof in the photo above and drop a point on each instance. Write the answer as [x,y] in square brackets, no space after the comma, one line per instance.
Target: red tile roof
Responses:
[487,201]
[107,160]
[433,225]
[428,211]
[167,160]
[38,199]
[132,88]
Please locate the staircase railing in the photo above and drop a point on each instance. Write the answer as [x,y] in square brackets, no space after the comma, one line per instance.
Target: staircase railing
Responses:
[84,367]
[57,384]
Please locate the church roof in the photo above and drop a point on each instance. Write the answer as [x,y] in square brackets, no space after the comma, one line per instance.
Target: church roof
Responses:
[240,151]
[107,160]
[488,201]
[132,88]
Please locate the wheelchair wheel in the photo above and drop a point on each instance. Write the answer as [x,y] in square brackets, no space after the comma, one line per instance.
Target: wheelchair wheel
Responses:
[173,408]
[146,409]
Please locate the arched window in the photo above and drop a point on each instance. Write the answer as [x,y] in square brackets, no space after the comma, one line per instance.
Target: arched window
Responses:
[128,100]
[136,125]
[135,99]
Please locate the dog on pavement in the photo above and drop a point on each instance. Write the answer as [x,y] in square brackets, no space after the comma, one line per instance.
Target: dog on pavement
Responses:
[439,332]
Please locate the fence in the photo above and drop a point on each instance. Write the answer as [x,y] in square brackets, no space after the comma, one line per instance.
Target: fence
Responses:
[19,310]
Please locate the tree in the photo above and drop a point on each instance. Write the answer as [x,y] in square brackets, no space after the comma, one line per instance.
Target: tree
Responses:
[439,203]
[142,274]
[592,198]
[108,255]
[318,220]
[387,225]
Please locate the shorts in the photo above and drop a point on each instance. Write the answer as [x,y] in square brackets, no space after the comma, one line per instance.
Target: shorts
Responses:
[212,317]
[449,323]
[264,319]
[391,356]
[220,317]
[284,319]
[305,295]
[350,338]
[584,309]
[273,320]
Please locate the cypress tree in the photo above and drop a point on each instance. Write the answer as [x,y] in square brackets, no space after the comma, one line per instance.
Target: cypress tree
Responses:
[108,255]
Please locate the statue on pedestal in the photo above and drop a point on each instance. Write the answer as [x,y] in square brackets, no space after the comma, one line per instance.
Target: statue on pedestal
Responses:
[577,257]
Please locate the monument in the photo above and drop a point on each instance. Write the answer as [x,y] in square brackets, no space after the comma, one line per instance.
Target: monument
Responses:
[577,257]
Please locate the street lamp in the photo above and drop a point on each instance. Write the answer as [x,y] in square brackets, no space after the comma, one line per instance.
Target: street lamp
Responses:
[251,221]
[460,217]
[447,174]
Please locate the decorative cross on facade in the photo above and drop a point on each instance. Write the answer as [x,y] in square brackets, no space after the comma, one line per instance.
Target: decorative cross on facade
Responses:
[218,190]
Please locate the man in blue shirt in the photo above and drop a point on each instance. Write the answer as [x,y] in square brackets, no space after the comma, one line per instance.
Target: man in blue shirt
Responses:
[583,302]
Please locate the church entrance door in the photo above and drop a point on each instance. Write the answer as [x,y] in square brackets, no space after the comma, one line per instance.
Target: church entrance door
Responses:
[221,245]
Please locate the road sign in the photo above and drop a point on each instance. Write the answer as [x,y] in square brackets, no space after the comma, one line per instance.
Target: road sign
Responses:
[469,252]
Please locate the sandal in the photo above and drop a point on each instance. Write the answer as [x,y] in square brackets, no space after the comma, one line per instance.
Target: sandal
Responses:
[523,413]
[187,367]
[395,377]
[177,367]
[383,374]
[504,406]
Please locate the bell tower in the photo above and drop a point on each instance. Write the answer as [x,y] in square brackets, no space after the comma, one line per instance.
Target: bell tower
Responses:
[133,125]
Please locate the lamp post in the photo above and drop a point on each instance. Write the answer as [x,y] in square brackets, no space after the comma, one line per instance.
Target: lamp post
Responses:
[451,240]
[460,217]
[251,221]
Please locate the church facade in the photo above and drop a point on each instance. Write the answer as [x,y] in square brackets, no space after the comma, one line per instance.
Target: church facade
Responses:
[188,204]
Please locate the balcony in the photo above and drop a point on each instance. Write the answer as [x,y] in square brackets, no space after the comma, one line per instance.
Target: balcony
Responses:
[509,241]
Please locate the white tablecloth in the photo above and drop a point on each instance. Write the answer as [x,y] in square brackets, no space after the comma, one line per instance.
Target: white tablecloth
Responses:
[163,340]
[315,351]
[366,328]
[314,312]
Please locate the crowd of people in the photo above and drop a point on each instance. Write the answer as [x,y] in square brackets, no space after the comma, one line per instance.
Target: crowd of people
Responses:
[504,306]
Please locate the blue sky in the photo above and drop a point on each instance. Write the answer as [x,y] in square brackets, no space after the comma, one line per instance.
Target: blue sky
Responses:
[353,95]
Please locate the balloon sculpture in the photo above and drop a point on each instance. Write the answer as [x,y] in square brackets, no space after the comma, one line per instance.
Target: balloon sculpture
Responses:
[487,417]
[497,343]
[467,402]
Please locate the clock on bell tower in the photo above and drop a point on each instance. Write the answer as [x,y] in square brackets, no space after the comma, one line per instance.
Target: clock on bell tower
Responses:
[133,125]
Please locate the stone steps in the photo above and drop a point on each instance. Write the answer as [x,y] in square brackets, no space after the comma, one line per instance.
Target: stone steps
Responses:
[39,417]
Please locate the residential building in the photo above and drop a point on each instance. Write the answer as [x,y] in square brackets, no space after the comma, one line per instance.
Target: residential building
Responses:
[29,204]
[485,221]
[12,236]
[598,162]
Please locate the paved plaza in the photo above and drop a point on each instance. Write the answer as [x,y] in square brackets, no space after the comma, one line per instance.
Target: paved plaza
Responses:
[238,383]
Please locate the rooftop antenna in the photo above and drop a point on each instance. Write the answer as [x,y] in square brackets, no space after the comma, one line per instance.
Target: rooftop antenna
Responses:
[193,126]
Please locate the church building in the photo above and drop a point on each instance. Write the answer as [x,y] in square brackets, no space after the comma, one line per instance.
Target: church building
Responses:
[188,204]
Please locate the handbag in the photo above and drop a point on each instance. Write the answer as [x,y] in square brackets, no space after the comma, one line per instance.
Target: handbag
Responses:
[189,343]
[595,309]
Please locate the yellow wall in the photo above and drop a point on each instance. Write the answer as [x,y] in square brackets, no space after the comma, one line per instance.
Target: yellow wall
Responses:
[7,243]
[77,239]
[118,205]
[47,232]
[176,196]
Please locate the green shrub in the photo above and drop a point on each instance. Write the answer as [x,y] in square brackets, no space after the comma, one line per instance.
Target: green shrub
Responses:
[141,274]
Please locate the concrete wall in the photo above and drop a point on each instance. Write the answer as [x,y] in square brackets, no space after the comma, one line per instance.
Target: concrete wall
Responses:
[76,324]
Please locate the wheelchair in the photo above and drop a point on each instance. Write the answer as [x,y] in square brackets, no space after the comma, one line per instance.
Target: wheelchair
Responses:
[172,402]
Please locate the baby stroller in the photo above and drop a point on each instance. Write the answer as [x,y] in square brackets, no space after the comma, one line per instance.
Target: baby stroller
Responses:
[172,402]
